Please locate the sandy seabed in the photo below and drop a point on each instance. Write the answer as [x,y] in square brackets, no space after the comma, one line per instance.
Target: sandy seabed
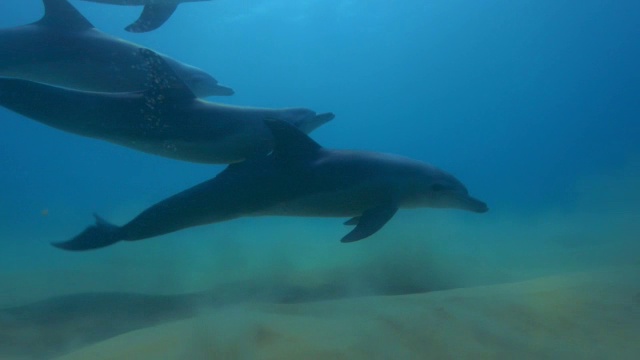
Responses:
[91,312]
[590,315]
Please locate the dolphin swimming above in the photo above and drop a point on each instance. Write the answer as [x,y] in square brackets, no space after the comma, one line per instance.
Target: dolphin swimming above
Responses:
[299,178]
[65,49]
[166,119]
[154,13]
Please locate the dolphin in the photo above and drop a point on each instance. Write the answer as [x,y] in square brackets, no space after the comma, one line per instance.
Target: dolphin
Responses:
[299,178]
[167,119]
[65,49]
[154,13]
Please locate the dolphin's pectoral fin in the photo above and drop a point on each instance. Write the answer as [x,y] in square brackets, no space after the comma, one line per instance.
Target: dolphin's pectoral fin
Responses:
[152,17]
[353,221]
[100,235]
[371,221]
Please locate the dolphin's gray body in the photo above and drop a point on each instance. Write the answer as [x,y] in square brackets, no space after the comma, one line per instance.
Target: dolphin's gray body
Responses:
[299,178]
[166,119]
[154,14]
[64,49]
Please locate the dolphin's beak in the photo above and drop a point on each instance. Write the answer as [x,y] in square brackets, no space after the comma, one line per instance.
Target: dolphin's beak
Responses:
[473,204]
[223,91]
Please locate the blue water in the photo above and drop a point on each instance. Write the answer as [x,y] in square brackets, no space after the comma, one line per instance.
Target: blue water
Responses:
[534,105]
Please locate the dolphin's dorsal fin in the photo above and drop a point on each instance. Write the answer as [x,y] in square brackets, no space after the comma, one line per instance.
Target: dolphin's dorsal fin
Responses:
[61,14]
[162,80]
[290,141]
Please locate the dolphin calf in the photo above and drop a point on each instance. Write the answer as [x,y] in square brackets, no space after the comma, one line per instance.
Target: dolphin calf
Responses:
[299,178]
[167,119]
[65,49]
[154,13]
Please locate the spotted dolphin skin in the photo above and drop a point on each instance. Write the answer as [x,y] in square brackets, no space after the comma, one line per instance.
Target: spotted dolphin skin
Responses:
[299,178]
[166,119]
[154,13]
[65,49]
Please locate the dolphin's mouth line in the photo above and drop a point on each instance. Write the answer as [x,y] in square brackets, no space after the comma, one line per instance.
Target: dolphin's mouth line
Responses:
[472,204]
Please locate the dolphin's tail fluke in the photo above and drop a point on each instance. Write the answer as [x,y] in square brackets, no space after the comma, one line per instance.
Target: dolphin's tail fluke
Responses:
[152,17]
[97,236]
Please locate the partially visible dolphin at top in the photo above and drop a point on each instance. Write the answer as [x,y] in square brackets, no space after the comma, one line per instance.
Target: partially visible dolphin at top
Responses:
[167,119]
[299,178]
[154,13]
[65,49]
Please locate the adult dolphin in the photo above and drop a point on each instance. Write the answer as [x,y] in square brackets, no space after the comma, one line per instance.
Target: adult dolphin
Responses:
[65,49]
[154,13]
[167,119]
[299,178]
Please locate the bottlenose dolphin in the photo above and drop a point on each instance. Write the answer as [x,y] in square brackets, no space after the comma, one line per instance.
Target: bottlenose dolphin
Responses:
[154,14]
[167,119]
[65,49]
[299,178]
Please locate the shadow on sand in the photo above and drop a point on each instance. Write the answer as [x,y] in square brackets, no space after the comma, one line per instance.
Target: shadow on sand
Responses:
[54,326]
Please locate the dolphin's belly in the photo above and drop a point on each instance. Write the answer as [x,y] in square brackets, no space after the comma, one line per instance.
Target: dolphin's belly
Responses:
[75,68]
[222,151]
[80,75]
[202,140]
[346,203]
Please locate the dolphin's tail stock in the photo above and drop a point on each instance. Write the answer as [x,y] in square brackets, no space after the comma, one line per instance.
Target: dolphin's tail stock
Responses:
[97,236]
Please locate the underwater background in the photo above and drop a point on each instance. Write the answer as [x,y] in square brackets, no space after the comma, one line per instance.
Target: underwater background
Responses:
[534,105]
